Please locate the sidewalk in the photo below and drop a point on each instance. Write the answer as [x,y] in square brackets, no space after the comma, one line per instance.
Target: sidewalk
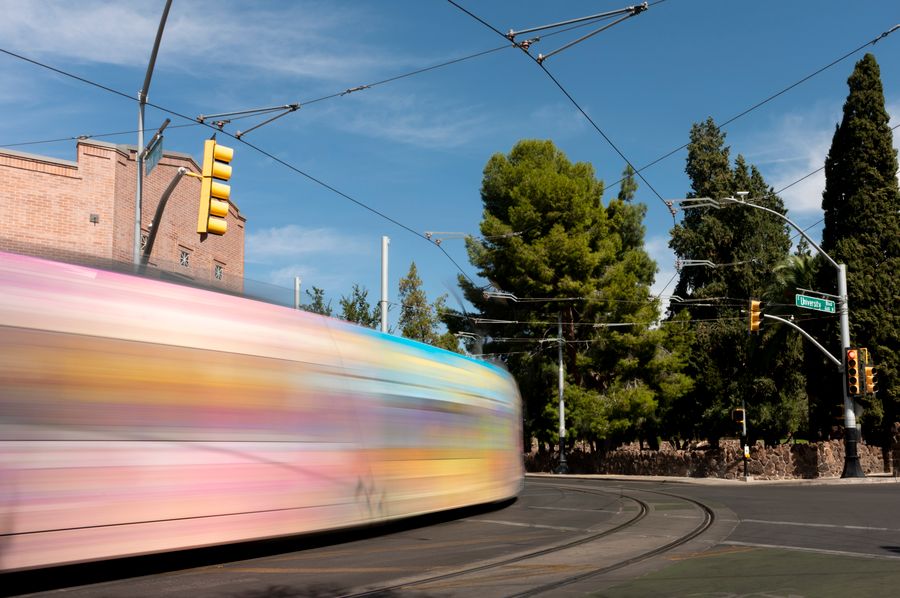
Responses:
[874,478]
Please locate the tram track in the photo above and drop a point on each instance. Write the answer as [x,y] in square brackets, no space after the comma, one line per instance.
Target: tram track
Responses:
[523,559]
[706,523]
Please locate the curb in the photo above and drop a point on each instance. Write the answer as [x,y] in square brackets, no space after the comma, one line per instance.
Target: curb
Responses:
[875,478]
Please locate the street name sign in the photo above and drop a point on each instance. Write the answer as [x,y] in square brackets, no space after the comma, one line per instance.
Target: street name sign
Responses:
[816,303]
[154,155]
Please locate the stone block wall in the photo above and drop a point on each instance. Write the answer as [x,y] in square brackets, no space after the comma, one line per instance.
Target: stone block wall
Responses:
[797,461]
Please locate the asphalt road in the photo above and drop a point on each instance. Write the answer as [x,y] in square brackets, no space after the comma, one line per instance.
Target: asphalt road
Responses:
[813,538]
[834,538]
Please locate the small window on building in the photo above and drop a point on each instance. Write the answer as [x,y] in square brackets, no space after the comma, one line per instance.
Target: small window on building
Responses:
[185,258]
[219,271]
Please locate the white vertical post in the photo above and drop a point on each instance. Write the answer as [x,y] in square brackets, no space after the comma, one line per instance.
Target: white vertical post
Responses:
[385,241]
[563,466]
[297,282]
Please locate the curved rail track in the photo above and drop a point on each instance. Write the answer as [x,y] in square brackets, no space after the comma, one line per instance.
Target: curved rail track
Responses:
[644,508]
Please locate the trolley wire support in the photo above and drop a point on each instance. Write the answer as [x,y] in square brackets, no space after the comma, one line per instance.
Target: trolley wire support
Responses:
[284,109]
[628,11]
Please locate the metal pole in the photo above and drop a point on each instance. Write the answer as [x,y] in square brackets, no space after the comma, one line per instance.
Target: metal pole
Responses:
[157,219]
[297,282]
[385,241]
[139,155]
[746,443]
[563,466]
[139,162]
[852,468]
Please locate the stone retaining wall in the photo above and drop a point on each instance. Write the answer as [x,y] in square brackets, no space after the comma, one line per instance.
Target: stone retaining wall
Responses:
[815,460]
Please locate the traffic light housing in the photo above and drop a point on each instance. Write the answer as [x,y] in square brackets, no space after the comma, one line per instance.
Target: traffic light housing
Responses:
[214,194]
[871,380]
[755,314]
[738,416]
[852,371]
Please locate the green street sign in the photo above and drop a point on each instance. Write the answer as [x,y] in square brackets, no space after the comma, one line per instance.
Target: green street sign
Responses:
[814,303]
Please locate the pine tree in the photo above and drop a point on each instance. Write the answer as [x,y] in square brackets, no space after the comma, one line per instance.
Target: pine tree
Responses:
[861,202]
[550,243]
[317,304]
[420,320]
[356,308]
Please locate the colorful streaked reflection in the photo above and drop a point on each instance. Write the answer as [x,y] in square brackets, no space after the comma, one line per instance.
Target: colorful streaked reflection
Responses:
[138,416]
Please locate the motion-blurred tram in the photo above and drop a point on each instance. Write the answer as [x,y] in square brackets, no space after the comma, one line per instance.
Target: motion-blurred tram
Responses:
[141,416]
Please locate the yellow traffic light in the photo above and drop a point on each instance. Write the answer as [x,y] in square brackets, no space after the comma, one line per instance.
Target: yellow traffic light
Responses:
[871,380]
[853,387]
[214,195]
[755,315]
[738,415]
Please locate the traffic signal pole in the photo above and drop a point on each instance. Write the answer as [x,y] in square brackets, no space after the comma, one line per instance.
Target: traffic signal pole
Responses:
[157,219]
[139,154]
[852,468]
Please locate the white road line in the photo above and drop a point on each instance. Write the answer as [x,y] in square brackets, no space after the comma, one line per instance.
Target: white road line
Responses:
[579,510]
[829,525]
[862,555]
[516,524]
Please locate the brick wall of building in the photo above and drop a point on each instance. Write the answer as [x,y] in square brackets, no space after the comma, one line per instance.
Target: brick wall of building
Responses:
[46,208]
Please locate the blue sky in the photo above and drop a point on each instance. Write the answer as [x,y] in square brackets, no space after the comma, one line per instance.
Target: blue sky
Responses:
[414,149]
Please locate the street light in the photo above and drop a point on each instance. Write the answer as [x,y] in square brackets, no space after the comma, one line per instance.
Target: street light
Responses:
[852,468]
[139,155]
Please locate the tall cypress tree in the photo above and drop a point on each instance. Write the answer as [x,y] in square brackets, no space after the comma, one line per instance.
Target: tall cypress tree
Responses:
[861,202]
[745,245]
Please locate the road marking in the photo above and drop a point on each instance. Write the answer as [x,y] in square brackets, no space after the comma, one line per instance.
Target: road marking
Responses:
[863,555]
[578,510]
[536,525]
[830,525]
[314,570]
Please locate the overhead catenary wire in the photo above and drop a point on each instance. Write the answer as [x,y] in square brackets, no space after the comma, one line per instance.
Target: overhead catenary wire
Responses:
[251,112]
[248,144]
[769,99]
[572,100]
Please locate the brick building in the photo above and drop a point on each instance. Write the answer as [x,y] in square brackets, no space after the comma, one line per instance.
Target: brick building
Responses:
[84,211]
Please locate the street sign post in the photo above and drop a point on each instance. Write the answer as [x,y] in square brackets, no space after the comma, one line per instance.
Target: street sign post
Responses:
[815,303]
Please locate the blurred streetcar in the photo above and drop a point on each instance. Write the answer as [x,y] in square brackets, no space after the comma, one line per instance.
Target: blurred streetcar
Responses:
[140,416]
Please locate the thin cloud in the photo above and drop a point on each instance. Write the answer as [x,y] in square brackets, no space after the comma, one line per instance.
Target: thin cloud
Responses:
[559,119]
[793,148]
[291,241]
[414,120]
[296,40]
[310,276]
[798,146]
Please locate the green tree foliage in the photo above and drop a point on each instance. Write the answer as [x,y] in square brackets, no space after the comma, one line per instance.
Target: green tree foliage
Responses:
[861,202]
[549,242]
[317,304]
[420,320]
[356,308]
[745,245]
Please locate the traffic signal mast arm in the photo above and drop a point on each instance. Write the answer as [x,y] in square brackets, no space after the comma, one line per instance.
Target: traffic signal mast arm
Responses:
[852,468]
[834,359]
